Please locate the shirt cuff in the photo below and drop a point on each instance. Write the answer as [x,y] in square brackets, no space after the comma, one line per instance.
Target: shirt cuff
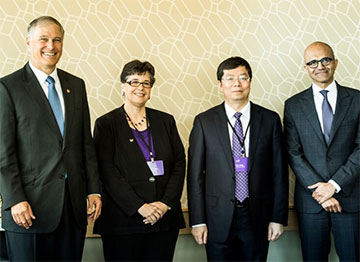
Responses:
[94,195]
[198,225]
[336,185]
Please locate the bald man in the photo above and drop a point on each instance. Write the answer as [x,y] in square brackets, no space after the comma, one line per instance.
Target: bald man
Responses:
[322,129]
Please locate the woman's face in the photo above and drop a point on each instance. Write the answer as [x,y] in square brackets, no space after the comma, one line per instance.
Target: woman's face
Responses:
[137,89]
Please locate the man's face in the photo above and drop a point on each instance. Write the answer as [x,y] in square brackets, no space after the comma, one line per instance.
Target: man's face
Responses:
[45,44]
[235,85]
[321,75]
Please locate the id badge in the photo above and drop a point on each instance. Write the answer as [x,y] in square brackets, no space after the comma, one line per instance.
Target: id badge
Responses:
[156,167]
[241,164]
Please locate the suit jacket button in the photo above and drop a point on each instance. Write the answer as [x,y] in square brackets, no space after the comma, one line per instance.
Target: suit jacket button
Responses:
[152,179]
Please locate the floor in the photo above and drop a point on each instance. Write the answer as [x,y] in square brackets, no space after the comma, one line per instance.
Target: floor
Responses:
[287,248]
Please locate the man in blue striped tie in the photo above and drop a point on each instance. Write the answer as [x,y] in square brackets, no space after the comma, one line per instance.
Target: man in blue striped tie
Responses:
[48,168]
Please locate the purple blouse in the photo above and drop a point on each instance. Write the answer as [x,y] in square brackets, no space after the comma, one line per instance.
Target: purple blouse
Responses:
[144,147]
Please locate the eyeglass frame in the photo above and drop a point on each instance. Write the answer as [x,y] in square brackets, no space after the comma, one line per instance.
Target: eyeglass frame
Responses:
[325,61]
[140,83]
[241,78]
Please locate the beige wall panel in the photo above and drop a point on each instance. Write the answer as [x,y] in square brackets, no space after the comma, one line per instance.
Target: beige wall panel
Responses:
[185,41]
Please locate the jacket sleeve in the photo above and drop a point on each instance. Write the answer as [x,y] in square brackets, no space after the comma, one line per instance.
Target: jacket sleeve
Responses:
[92,173]
[196,174]
[347,176]
[175,184]
[280,176]
[10,182]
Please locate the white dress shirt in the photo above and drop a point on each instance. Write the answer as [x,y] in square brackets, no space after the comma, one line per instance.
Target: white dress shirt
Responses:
[319,98]
[245,120]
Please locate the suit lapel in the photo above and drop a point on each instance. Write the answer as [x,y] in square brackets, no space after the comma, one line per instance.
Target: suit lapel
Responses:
[124,132]
[309,110]
[156,133]
[69,101]
[223,134]
[343,103]
[35,91]
[255,127]
[128,140]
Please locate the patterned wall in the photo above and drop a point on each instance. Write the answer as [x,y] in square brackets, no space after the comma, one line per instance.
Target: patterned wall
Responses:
[185,41]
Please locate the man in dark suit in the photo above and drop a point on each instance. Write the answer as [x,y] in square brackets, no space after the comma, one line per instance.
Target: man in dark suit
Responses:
[322,128]
[48,167]
[237,175]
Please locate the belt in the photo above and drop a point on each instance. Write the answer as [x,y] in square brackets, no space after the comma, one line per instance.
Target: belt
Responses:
[245,203]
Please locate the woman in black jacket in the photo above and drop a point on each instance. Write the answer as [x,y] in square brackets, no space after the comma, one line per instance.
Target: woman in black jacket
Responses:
[142,168]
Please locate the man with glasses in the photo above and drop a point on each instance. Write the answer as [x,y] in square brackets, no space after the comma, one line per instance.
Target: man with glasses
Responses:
[237,174]
[322,128]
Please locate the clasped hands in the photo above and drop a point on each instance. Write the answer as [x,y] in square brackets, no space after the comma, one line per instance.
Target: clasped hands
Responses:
[152,212]
[323,195]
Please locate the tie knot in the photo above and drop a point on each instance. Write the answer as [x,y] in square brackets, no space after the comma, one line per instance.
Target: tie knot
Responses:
[50,80]
[237,115]
[324,93]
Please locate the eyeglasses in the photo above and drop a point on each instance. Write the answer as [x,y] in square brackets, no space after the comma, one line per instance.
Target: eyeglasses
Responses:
[231,79]
[324,61]
[137,83]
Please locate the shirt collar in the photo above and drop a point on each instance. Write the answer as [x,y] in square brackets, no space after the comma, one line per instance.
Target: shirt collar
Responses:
[331,88]
[41,76]
[245,111]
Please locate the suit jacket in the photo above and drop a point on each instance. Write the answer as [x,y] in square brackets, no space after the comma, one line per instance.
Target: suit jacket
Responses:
[312,160]
[128,182]
[211,183]
[34,157]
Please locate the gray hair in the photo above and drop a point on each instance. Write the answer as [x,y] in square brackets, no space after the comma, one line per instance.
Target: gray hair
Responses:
[44,19]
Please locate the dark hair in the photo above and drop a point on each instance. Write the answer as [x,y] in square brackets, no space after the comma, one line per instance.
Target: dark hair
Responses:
[232,63]
[137,67]
[44,19]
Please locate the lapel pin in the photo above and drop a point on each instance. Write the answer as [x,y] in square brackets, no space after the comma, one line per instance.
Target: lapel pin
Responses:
[131,140]
[68,91]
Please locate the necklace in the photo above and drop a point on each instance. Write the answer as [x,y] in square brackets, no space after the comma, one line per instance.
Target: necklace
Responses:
[142,121]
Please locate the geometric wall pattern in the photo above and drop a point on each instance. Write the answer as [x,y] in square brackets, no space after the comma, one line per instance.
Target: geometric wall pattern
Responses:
[186,41]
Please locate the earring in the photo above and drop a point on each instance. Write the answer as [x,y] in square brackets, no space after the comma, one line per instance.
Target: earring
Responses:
[123,92]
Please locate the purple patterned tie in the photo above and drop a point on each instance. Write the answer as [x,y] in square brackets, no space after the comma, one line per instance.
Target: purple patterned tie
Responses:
[327,116]
[241,178]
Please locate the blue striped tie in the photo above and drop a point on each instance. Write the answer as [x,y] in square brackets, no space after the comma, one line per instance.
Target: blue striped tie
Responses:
[327,116]
[55,103]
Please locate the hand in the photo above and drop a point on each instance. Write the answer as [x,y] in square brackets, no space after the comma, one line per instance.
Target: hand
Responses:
[95,205]
[22,214]
[160,207]
[332,205]
[323,191]
[150,213]
[163,208]
[275,230]
[200,234]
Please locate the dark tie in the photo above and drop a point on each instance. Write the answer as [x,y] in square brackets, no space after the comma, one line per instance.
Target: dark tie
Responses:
[327,116]
[55,103]
[241,178]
